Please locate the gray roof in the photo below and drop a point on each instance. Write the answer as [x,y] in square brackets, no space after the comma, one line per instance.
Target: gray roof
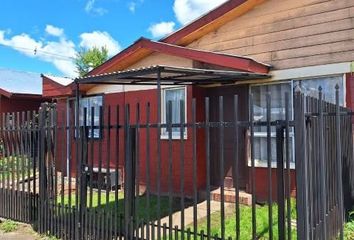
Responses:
[15,81]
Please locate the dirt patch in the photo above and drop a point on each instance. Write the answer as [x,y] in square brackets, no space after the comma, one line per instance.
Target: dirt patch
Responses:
[23,232]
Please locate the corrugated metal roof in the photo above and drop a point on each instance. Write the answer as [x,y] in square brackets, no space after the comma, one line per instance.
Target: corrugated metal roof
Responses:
[60,80]
[170,76]
[15,81]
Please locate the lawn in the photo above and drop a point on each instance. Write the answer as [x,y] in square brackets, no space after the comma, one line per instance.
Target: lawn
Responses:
[246,222]
[144,211]
[14,167]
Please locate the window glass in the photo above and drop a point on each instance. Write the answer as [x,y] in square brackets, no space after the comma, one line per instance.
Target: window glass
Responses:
[173,96]
[88,103]
[310,87]
[277,111]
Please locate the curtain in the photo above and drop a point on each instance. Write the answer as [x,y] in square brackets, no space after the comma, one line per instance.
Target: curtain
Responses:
[174,96]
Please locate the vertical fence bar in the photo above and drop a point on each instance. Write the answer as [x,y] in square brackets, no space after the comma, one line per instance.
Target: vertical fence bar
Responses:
[137,169]
[287,156]
[339,165]
[90,170]
[148,181]
[117,230]
[236,171]
[253,171]
[42,166]
[194,159]
[158,92]
[108,174]
[117,176]
[222,167]
[100,223]
[169,177]
[182,169]
[323,217]
[280,179]
[269,167]
[301,167]
[83,175]
[207,147]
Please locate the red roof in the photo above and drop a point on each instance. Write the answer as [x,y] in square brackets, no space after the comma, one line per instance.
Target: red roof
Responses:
[220,59]
[210,21]
[19,95]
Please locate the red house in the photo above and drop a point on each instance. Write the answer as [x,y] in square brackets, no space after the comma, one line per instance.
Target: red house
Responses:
[278,44]
[20,91]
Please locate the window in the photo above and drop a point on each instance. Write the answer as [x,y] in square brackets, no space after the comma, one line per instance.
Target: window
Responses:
[88,103]
[277,95]
[175,96]
[328,84]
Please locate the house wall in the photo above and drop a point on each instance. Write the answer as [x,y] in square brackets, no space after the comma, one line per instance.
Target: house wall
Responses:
[53,89]
[111,150]
[18,105]
[288,34]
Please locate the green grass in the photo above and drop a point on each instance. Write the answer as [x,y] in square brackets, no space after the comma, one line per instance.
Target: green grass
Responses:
[14,167]
[8,226]
[246,222]
[144,211]
[349,227]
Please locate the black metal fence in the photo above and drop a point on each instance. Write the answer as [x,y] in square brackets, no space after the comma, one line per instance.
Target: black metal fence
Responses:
[324,166]
[124,174]
[19,166]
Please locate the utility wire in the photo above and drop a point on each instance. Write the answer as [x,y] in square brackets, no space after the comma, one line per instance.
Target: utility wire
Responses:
[36,51]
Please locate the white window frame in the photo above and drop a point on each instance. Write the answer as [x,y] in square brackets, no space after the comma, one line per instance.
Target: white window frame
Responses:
[88,120]
[164,132]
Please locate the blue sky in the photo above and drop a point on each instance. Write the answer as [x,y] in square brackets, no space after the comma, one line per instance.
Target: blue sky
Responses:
[43,36]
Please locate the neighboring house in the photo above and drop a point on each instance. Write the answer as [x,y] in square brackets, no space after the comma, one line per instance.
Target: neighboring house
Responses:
[20,91]
[306,43]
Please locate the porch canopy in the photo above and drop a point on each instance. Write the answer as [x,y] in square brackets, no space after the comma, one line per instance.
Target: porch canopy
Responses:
[167,75]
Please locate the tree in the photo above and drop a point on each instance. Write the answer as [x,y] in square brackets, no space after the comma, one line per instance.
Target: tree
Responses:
[88,59]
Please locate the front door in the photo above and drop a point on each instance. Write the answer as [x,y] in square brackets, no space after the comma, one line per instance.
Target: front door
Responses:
[228,93]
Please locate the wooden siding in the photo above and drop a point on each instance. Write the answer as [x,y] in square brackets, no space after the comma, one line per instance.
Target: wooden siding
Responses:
[162,59]
[289,34]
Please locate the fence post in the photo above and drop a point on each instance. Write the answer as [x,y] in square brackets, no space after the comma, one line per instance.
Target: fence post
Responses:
[280,178]
[301,167]
[42,167]
[129,178]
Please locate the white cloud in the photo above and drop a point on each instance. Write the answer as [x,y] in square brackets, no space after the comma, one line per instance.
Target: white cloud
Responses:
[99,39]
[59,53]
[132,6]
[90,8]
[54,31]
[188,10]
[161,29]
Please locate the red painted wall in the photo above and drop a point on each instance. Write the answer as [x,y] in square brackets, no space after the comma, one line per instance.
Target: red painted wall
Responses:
[262,183]
[19,104]
[350,90]
[109,147]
